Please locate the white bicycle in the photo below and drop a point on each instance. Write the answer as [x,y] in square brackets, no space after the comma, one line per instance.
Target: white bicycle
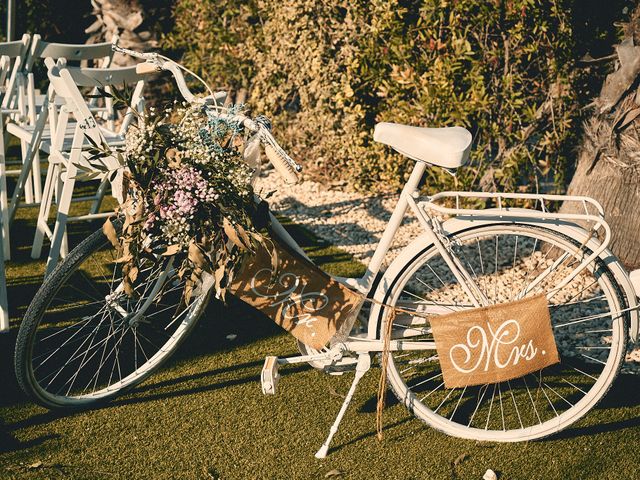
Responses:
[83,341]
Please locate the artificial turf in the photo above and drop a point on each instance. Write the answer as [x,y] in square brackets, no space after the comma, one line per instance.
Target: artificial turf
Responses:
[203,416]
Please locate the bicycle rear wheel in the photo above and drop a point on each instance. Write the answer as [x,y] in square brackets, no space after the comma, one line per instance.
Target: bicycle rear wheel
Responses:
[509,262]
[81,341]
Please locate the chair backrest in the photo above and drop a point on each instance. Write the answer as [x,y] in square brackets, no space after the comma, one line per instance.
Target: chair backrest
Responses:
[103,77]
[13,56]
[66,82]
[100,53]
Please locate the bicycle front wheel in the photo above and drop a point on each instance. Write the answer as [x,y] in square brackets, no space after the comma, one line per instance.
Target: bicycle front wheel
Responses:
[83,340]
[507,262]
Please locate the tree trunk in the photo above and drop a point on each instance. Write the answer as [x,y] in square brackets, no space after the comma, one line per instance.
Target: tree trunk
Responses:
[608,167]
[125,18]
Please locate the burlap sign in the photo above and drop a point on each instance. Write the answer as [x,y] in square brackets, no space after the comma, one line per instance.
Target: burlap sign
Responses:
[298,296]
[496,343]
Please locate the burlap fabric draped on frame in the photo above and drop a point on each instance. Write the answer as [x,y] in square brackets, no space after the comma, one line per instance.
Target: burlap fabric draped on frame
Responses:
[296,295]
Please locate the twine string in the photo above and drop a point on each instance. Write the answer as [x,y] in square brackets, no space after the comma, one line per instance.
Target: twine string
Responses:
[382,383]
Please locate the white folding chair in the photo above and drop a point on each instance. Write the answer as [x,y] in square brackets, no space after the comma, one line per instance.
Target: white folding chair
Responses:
[12,59]
[38,133]
[67,153]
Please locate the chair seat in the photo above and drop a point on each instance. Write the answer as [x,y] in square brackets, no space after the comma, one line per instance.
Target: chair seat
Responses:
[445,147]
[25,132]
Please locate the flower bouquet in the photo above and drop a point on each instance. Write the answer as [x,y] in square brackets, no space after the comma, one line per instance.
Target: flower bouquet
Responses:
[187,194]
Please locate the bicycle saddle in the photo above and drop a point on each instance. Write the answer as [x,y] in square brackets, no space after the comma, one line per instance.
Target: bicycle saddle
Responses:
[445,147]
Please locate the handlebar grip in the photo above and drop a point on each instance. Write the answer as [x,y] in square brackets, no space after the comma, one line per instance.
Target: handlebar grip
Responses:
[146,68]
[280,164]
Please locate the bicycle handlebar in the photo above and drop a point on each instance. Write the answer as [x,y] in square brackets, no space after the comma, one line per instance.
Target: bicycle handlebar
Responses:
[281,161]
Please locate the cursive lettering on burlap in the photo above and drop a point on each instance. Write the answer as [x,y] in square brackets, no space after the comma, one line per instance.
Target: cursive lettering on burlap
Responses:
[489,348]
[297,305]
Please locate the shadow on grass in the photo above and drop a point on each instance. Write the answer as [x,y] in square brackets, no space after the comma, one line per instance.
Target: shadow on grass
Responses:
[618,397]
[364,436]
[8,443]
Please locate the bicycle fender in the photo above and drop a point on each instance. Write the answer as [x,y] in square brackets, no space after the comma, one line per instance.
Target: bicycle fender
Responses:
[461,223]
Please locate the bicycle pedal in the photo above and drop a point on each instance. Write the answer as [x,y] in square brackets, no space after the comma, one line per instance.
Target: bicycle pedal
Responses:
[346,364]
[270,376]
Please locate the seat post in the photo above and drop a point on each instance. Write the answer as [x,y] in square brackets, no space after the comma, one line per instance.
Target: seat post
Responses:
[392,226]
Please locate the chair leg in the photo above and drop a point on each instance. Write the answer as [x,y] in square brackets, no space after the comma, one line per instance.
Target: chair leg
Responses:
[4,303]
[45,208]
[61,219]
[34,120]
[4,203]
[28,184]
[37,178]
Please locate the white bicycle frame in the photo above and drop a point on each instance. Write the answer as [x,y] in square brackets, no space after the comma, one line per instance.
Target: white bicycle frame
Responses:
[410,199]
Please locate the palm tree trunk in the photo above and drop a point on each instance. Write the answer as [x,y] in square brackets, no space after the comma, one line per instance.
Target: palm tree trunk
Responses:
[608,167]
[125,18]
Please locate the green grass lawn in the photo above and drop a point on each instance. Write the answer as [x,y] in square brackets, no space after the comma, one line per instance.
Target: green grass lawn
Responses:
[203,416]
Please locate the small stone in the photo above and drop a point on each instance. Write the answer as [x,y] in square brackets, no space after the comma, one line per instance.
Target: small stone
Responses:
[490,475]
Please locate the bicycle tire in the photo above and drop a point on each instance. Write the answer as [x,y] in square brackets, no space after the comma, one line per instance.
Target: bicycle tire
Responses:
[493,430]
[27,339]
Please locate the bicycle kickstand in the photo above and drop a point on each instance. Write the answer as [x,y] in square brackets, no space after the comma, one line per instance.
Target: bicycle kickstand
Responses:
[362,367]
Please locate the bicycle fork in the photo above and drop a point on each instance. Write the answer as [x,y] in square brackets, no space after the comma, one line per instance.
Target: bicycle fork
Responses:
[270,376]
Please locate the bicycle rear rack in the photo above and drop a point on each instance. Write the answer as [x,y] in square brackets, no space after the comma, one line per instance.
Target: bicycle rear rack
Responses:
[532,206]
[527,208]
[517,205]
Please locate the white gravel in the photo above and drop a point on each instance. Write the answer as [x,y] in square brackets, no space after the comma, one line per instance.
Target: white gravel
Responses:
[352,221]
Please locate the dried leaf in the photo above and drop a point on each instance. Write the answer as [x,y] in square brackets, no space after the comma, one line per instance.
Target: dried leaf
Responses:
[275,261]
[110,232]
[188,291]
[133,273]
[219,275]
[333,473]
[172,250]
[127,285]
[460,458]
[181,272]
[197,256]
[231,233]
[124,258]
[243,236]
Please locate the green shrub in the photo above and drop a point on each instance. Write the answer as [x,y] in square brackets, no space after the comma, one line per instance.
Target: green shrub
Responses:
[327,72]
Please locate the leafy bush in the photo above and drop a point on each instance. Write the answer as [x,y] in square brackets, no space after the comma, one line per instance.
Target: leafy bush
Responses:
[328,71]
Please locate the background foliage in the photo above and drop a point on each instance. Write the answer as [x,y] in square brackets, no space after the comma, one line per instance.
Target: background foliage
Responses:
[327,71]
